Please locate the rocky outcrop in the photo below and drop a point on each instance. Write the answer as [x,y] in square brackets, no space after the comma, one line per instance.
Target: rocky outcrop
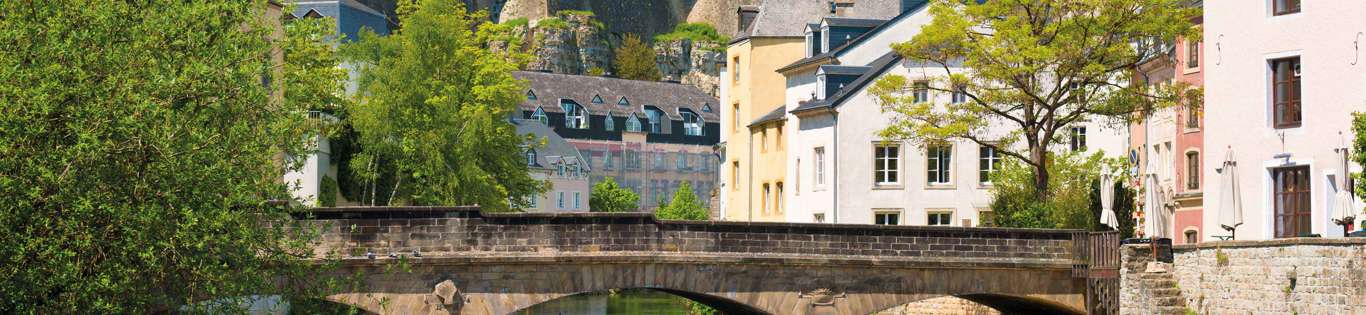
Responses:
[693,63]
[643,17]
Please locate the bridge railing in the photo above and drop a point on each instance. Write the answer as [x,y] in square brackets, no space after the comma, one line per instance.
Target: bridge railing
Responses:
[1097,261]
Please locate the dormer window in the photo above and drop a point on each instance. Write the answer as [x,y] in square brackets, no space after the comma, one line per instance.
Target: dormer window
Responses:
[633,123]
[575,116]
[530,157]
[623,102]
[597,99]
[692,123]
[530,95]
[539,115]
[706,108]
[656,117]
[813,39]
[609,122]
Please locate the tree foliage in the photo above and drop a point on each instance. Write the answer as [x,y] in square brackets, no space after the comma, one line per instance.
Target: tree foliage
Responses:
[1074,202]
[607,196]
[683,206]
[1358,149]
[138,149]
[432,109]
[697,32]
[1036,68]
[635,60]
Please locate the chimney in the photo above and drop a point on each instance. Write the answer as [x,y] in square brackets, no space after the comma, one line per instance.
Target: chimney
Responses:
[745,16]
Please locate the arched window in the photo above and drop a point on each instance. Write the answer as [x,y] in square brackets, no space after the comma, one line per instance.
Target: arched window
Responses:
[609,122]
[575,116]
[692,122]
[539,115]
[633,123]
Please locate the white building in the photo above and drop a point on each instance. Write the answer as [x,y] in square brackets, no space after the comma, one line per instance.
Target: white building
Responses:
[1281,80]
[842,170]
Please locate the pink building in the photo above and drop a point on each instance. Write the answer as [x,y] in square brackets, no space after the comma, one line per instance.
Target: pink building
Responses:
[1189,186]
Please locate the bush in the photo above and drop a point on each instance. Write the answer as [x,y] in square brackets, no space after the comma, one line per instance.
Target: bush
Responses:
[697,32]
[553,22]
[683,206]
[1073,202]
[607,196]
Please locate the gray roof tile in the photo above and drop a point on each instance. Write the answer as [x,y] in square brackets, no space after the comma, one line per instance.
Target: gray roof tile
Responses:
[554,144]
[669,97]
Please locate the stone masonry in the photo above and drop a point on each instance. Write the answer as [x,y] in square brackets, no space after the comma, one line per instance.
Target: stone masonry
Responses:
[500,263]
[1284,276]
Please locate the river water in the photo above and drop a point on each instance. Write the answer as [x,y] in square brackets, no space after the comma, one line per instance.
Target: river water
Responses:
[634,301]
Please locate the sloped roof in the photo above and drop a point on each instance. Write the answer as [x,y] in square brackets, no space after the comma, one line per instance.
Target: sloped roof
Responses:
[853,22]
[843,70]
[834,52]
[777,114]
[669,97]
[874,71]
[788,18]
[555,146]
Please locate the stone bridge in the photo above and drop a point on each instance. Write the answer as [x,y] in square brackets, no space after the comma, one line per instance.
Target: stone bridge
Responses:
[460,260]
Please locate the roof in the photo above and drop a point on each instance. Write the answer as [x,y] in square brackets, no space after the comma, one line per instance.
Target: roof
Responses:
[777,114]
[843,70]
[669,97]
[555,146]
[853,22]
[837,51]
[875,71]
[788,18]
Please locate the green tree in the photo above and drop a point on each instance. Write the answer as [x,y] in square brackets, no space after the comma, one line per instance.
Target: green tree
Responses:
[697,32]
[635,60]
[1359,150]
[138,145]
[1074,202]
[1036,67]
[683,206]
[607,196]
[432,110]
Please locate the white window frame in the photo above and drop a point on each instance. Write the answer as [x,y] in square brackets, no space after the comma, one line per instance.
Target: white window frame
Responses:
[539,115]
[560,201]
[882,212]
[1077,138]
[993,164]
[892,166]
[939,212]
[943,170]
[575,115]
[818,166]
[920,91]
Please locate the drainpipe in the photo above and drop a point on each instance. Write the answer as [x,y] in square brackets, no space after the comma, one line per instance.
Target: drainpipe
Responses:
[749,178]
[835,147]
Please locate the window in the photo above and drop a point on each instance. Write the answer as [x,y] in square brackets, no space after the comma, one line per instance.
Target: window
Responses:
[706,108]
[959,96]
[607,160]
[887,217]
[1283,7]
[778,140]
[1292,201]
[1078,139]
[532,201]
[735,63]
[921,91]
[597,99]
[1192,54]
[1192,170]
[939,164]
[735,117]
[818,217]
[1286,92]
[681,162]
[540,116]
[939,218]
[632,159]
[659,160]
[692,122]
[819,166]
[530,95]
[1192,116]
[623,101]
[560,200]
[886,164]
[575,116]
[763,140]
[988,161]
[609,123]
[633,123]
[763,204]
[576,200]
[654,115]
[734,175]
[1192,236]
[778,198]
[530,157]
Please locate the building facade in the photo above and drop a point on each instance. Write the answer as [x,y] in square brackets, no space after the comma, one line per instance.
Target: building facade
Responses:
[649,136]
[1281,80]
[552,159]
[754,173]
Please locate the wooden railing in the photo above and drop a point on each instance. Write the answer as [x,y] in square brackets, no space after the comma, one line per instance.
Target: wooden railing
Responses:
[1097,260]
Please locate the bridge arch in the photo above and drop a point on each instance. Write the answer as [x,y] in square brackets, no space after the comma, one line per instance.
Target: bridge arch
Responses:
[720,303]
[1004,303]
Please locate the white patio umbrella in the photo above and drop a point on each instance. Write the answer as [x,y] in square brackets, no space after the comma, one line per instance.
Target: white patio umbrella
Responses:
[1107,198]
[1230,200]
[1343,212]
[1155,213]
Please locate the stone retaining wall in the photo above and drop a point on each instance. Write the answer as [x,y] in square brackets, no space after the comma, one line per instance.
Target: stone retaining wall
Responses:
[1286,276]
[463,231]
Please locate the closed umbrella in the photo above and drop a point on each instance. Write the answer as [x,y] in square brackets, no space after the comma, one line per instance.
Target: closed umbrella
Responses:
[1107,199]
[1230,202]
[1156,223]
[1343,212]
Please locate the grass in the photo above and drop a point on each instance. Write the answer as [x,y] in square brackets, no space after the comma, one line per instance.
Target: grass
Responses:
[552,23]
[1220,258]
[697,32]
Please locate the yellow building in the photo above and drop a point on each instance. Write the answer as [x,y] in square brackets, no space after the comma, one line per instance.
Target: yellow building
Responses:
[773,35]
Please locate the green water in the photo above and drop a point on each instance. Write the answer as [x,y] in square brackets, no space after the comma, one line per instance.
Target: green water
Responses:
[635,302]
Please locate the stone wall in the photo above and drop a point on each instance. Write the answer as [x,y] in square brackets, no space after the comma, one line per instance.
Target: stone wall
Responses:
[352,232]
[693,63]
[1286,276]
[946,305]
[644,17]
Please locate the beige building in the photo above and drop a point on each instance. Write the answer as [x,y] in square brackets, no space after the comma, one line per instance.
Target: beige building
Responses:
[753,126]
